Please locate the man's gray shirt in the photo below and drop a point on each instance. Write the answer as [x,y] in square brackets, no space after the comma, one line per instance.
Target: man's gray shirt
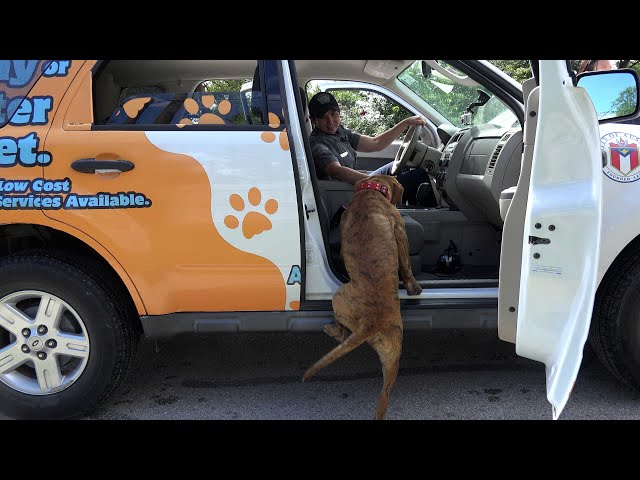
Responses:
[338,147]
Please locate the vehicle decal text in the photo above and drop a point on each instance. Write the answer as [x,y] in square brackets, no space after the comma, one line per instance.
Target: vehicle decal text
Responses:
[22,151]
[17,73]
[42,193]
[57,68]
[295,276]
[25,110]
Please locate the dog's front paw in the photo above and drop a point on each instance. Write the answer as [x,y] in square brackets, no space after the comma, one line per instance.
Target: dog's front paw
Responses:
[413,288]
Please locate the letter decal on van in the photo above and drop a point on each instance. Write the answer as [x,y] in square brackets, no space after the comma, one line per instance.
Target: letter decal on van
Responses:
[295,276]
[46,194]
[57,68]
[22,151]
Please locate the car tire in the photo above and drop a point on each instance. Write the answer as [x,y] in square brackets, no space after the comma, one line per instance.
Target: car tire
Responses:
[94,334]
[615,325]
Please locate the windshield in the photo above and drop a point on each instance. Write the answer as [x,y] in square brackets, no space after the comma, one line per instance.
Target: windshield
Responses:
[450,99]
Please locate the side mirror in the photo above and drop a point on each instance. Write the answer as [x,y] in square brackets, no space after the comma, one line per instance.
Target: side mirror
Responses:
[614,93]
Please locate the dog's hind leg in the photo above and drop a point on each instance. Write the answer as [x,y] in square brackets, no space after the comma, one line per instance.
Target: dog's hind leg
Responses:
[342,313]
[337,331]
[353,341]
[389,347]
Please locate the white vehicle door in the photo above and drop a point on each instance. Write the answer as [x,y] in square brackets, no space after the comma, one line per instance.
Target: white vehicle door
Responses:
[561,240]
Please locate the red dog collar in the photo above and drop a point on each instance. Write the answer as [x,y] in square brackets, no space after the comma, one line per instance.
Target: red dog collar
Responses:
[369,185]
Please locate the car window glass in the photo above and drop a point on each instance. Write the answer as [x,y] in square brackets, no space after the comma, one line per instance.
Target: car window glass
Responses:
[452,99]
[155,93]
[367,112]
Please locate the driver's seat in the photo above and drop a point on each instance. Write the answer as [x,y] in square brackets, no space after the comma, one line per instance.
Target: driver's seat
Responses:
[335,195]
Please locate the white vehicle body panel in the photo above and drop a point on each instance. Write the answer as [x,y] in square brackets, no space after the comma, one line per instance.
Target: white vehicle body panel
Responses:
[620,217]
[557,289]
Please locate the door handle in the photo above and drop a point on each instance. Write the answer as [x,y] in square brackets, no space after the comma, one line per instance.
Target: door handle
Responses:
[91,165]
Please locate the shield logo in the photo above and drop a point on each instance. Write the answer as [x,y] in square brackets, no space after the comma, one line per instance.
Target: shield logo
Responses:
[624,156]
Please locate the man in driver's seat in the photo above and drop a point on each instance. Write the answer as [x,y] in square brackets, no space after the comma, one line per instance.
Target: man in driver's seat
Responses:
[334,147]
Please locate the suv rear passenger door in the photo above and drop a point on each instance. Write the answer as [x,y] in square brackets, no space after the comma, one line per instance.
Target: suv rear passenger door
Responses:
[195,199]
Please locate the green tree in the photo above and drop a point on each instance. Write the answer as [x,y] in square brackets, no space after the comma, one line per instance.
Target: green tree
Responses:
[366,112]
[519,70]
[230,90]
[632,64]
[450,105]
[625,103]
[224,85]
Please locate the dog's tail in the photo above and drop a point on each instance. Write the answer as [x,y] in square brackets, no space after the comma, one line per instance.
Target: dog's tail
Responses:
[351,342]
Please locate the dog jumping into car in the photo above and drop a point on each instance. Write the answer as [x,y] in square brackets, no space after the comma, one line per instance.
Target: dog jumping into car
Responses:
[367,309]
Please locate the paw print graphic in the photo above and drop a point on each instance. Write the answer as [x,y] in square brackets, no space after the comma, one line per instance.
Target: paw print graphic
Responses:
[205,117]
[253,223]
[274,122]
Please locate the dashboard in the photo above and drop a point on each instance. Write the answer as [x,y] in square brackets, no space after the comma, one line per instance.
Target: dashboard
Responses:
[476,165]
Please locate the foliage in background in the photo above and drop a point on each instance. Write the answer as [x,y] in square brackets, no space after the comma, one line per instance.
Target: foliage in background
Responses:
[625,103]
[224,85]
[449,104]
[521,70]
[232,87]
[368,113]
[371,114]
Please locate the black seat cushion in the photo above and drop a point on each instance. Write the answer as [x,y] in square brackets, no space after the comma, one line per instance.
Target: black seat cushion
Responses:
[415,233]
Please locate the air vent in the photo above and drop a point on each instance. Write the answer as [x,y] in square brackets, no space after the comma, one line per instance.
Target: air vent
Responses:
[458,136]
[494,158]
[506,136]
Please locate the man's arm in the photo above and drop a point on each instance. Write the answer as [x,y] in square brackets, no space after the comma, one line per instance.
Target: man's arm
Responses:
[344,174]
[382,141]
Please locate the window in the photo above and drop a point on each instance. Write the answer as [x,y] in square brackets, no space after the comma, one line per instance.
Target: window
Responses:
[179,93]
[451,99]
[364,111]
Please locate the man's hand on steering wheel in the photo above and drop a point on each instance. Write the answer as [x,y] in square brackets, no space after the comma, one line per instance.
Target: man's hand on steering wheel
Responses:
[408,145]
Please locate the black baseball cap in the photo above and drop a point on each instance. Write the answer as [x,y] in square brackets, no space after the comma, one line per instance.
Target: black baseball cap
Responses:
[321,103]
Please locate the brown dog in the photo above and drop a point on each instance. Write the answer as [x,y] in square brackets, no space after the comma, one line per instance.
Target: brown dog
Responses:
[374,249]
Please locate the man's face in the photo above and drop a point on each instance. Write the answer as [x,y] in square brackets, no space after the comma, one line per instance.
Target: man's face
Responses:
[602,65]
[329,122]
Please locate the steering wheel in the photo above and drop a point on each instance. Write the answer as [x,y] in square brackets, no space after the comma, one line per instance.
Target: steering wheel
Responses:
[405,152]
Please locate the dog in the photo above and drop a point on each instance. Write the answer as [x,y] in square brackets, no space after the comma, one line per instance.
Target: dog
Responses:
[375,250]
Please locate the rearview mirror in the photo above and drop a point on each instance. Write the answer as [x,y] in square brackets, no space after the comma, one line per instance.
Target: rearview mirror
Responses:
[426,69]
[614,93]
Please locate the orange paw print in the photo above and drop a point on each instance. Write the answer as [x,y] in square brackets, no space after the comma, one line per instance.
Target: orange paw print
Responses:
[274,122]
[253,223]
[205,118]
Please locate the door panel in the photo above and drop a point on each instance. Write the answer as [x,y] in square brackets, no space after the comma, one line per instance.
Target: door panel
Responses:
[207,220]
[562,233]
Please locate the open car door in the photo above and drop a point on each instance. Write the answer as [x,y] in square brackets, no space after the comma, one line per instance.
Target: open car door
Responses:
[560,243]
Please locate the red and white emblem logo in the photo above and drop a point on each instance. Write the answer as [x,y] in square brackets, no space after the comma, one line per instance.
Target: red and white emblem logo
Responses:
[623,164]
